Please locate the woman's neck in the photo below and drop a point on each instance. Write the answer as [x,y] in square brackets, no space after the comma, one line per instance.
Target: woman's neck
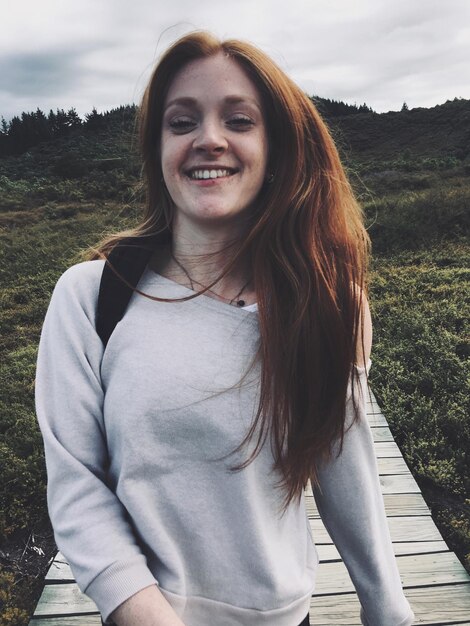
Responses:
[197,267]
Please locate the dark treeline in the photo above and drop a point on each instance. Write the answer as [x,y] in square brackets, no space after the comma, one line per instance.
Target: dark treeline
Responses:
[335,108]
[30,129]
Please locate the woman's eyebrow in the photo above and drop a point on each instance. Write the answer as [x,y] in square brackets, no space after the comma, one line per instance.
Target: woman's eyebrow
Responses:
[184,101]
[241,100]
[188,101]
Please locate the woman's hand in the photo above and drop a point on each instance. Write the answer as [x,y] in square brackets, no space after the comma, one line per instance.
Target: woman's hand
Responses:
[148,607]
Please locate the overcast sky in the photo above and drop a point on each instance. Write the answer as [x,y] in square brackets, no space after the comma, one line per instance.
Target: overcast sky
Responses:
[99,53]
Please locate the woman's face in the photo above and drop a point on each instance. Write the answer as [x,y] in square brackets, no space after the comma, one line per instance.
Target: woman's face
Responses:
[214,144]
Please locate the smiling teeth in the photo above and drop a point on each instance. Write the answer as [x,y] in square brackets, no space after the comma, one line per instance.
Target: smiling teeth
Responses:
[200,174]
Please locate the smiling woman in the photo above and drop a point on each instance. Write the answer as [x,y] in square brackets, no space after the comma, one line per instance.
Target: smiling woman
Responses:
[232,319]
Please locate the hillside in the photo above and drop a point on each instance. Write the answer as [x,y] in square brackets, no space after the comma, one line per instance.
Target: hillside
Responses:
[411,172]
[438,132]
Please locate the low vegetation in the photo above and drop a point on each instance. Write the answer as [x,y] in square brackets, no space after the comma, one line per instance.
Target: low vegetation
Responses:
[420,306]
[60,197]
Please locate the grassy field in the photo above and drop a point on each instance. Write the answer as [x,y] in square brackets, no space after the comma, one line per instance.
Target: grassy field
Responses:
[420,308]
[419,298]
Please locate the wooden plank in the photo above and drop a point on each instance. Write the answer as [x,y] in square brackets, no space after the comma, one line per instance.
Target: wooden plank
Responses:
[338,610]
[381,433]
[387,448]
[440,568]
[400,483]
[392,465]
[329,552]
[373,409]
[77,620]
[407,504]
[333,578]
[401,529]
[376,419]
[437,568]
[395,504]
[60,571]
[443,604]
[63,599]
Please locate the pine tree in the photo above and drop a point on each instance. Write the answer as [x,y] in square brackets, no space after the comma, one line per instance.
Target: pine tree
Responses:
[73,119]
[52,122]
[61,122]
[4,139]
[16,136]
[41,124]
[94,120]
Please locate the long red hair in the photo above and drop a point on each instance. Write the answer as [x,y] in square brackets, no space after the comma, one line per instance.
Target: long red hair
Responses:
[309,252]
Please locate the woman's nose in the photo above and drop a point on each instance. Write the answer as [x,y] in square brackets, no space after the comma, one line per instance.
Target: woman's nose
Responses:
[210,138]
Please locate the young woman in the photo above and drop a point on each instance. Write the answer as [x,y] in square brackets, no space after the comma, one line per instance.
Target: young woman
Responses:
[178,450]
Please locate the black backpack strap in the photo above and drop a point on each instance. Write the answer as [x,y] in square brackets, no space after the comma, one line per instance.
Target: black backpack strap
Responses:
[121,273]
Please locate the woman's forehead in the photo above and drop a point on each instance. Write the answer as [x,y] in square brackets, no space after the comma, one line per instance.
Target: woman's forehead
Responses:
[218,75]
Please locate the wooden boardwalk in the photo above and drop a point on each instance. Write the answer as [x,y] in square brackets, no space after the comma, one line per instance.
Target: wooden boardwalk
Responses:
[435,582]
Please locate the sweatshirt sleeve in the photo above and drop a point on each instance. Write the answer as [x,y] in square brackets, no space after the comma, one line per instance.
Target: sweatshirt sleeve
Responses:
[91,526]
[351,506]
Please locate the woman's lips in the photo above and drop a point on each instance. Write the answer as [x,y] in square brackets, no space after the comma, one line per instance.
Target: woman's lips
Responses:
[212,171]
[208,178]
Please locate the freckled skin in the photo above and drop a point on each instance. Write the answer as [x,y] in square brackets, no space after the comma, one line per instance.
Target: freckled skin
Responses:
[219,124]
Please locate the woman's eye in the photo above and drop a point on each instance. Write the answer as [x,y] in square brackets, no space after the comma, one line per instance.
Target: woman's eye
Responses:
[241,122]
[181,124]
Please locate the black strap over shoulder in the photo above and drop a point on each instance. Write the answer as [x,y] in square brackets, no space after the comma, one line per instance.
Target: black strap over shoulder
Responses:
[121,273]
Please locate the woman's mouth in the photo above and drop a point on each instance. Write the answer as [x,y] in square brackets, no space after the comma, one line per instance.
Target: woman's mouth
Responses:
[210,174]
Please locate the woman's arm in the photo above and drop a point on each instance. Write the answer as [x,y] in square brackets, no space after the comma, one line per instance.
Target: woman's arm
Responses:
[364,338]
[91,526]
[351,505]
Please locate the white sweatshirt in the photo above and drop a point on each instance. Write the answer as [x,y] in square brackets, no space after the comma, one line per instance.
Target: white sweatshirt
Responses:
[138,494]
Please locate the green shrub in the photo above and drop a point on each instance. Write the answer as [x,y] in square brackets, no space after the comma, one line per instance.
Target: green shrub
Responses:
[10,615]
[420,218]
[71,165]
